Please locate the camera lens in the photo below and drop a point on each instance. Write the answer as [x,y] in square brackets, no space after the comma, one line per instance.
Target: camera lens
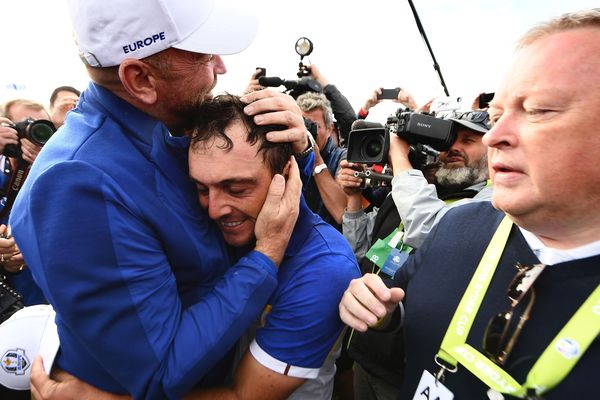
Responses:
[372,147]
[40,131]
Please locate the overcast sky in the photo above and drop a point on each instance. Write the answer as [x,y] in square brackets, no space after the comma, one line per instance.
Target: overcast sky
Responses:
[358,45]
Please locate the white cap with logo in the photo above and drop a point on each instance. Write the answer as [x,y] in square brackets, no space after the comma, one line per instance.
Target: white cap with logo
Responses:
[109,31]
[28,332]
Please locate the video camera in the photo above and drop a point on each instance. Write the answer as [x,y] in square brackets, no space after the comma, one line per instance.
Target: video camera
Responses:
[369,142]
[295,87]
[37,131]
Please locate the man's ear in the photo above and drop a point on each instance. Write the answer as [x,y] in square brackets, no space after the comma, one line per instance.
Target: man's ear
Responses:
[139,80]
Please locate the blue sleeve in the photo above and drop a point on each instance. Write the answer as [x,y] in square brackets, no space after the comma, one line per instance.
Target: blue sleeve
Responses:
[306,166]
[106,272]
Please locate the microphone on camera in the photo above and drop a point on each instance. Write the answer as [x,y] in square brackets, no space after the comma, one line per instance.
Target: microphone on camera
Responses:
[274,81]
[271,81]
[303,84]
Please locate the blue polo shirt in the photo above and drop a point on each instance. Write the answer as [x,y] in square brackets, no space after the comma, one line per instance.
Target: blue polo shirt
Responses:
[110,226]
[303,323]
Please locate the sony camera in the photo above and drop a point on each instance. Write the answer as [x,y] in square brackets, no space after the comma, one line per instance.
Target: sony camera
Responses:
[37,131]
[369,142]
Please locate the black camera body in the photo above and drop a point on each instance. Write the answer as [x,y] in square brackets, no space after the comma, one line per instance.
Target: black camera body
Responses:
[37,131]
[426,134]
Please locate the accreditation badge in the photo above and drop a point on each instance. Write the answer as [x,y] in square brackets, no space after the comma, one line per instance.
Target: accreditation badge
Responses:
[432,389]
[394,261]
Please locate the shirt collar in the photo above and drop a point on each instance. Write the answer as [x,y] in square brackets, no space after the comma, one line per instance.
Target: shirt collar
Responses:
[550,256]
[305,223]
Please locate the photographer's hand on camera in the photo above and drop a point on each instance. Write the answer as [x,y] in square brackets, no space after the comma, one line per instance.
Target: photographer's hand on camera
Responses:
[406,99]
[272,107]
[277,218]
[371,102]
[351,184]
[7,134]
[11,259]
[398,155]
[253,85]
[317,75]
[29,150]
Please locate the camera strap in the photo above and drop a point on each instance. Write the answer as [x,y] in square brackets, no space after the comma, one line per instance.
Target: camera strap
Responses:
[19,169]
[10,300]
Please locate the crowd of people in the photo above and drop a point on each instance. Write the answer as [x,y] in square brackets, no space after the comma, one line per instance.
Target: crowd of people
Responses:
[231,246]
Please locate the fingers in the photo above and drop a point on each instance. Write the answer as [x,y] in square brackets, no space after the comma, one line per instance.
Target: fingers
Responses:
[366,300]
[277,218]
[41,385]
[30,151]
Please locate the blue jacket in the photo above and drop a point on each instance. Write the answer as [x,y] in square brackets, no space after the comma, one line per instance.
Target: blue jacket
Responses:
[110,226]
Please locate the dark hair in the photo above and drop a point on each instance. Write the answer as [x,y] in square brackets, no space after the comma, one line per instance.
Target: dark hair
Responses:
[55,92]
[214,116]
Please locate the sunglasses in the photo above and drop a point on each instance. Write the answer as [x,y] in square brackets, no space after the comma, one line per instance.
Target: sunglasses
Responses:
[497,343]
[472,116]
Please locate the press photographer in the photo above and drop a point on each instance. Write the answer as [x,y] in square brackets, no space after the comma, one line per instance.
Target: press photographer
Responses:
[383,238]
[24,129]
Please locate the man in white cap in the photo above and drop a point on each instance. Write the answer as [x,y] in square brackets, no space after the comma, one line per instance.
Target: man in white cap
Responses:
[146,300]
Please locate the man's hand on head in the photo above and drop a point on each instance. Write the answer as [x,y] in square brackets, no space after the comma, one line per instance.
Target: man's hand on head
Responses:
[274,108]
[278,215]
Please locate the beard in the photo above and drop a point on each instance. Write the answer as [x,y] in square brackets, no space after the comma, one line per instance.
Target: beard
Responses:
[462,177]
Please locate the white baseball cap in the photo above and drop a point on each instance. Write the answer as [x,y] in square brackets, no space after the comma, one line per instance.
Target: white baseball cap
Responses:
[28,332]
[109,31]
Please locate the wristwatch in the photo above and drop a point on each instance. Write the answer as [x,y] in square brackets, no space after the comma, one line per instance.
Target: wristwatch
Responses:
[319,168]
[309,149]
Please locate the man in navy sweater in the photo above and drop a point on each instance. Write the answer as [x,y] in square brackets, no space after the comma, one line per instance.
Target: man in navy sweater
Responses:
[510,306]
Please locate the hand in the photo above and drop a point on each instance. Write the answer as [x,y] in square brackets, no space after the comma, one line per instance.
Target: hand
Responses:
[406,99]
[366,300]
[30,151]
[64,386]
[317,76]
[346,179]
[271,107]
[425,107]
[11,258]
[277,218]
[7,135]
[253,85]
[373,100]
[61,107]
[398,155]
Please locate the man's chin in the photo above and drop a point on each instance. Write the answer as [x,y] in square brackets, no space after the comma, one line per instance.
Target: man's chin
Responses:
[238,241]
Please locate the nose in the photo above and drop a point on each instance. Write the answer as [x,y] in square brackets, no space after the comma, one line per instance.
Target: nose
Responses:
[216,205]
[219,65]
[503,133]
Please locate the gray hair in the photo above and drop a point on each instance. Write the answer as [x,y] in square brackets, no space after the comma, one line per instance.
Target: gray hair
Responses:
[579,19]
[310,101]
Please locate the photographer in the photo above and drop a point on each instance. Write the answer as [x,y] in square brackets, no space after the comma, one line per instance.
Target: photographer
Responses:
[323,194]
[342,109]
[402,223]
[17,155]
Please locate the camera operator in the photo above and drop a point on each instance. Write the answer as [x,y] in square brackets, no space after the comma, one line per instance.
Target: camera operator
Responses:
[413,206]
[342,109]
[323,194]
